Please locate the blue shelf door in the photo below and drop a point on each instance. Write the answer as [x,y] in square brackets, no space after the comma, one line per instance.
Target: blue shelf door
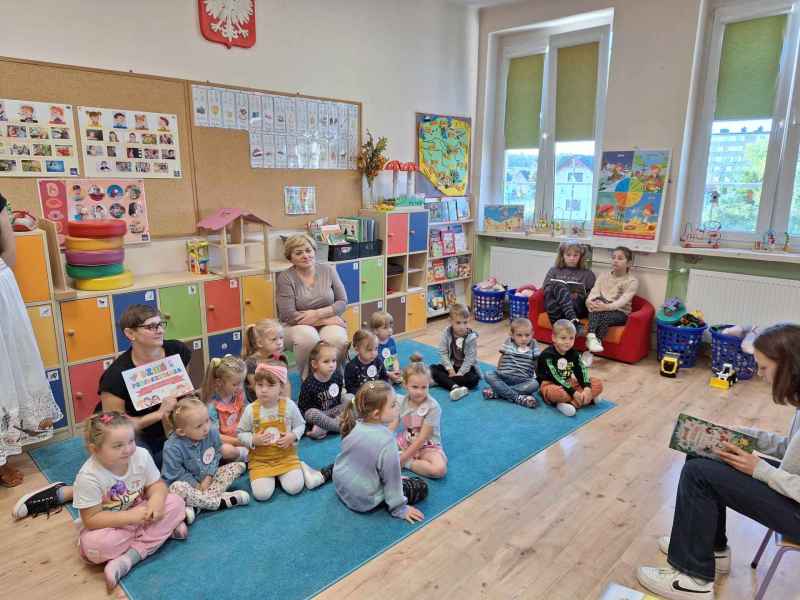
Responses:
[56,382]
[225,343]
[121,304]
[418,231]
[349,274]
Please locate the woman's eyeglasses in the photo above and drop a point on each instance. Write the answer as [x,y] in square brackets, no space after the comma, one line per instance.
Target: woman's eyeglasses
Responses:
[154,326]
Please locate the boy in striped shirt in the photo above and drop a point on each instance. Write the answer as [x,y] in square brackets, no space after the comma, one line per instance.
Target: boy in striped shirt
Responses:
[515,377]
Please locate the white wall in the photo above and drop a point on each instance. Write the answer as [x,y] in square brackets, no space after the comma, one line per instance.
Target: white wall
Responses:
[395,56]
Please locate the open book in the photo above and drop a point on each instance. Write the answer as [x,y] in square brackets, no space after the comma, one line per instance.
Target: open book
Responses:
[697,437]
[574,287]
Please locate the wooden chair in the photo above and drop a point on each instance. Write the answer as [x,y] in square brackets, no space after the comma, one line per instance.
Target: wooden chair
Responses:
[784,545]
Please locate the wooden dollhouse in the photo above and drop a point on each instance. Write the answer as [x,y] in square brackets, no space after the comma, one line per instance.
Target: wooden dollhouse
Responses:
[237,248]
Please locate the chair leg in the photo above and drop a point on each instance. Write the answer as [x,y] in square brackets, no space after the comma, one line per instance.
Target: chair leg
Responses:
[772,568]
[761,549]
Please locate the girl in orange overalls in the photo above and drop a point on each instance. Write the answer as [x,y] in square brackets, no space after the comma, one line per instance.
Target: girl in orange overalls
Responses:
[271,427]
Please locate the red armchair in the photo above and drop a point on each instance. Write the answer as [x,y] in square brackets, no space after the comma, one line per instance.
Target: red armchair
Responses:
[628,343]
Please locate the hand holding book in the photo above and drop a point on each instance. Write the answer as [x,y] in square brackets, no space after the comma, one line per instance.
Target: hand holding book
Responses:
[739,459]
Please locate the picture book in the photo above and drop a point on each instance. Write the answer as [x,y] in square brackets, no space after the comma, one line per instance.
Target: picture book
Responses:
[451,267]
[151,383]
[439,273]
[448,243]
[435,298]
[449,292]
[460,238]
[574,287]
[464,266]
[435,243]
[614,591]
[450,210]
[697,437]
[436,212]
[462,208]
[350,227]
[503,217]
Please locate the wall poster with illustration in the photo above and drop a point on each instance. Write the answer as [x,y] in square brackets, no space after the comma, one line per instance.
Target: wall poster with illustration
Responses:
[443,153]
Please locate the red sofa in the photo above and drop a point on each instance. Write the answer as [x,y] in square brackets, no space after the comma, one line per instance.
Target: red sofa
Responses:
[628,343]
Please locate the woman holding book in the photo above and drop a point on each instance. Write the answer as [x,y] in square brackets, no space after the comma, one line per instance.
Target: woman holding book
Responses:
[764,490]
[311,300]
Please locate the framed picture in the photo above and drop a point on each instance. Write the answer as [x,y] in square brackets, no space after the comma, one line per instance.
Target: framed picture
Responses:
[299,200]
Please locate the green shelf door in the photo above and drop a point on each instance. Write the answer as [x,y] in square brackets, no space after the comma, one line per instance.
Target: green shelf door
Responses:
[181,306]
[372,279]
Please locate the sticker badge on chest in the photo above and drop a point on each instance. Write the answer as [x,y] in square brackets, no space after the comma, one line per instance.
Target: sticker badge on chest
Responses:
[333,390]
[422,411]
[208,456]
[386,353]
[562,363]
[460,343]
[372,371]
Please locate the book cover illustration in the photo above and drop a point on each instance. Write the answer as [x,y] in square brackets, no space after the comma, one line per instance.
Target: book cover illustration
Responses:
[462,208]
[448,242]
[435,298]
[436,212]
[503,217]
[460,238]
[151,383]
[697,437]
[449,292]
[464,266]
[439,272]
[451,267]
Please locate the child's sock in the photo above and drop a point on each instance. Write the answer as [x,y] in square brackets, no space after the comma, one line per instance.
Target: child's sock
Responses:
[191,514]
[317,433]
[566,409]
[311,477]
[526,401]
[117,568]
[235,498]
[181,531]
[244,453]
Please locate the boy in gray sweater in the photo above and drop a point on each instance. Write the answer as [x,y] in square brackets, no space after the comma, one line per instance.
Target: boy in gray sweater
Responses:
[458,351]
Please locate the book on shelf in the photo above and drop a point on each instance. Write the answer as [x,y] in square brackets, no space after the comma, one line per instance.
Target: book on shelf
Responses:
[452,211]
[437,270]
[435,298]
[460,238]
[435,243]
[435,211]
[464,266]
[350,227]
[462,208]
[449,293]
[448,243]
[697,437]
[451,267]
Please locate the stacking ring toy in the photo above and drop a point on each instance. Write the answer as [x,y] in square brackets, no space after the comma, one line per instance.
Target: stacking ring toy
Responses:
[95,257]
[77,272]
[113,282]
[97,229]
[79,243]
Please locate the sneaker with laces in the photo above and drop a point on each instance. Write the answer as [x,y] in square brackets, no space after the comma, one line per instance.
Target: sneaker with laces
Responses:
[671,584]
[722,558]
[593,344]
[235,498]
[489,394]
[566,409]
[526,401]
[42,501]
[311,477]
[457,393]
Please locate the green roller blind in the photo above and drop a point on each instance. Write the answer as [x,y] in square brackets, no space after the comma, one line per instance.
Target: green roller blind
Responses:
[576,92]
[748,70]
[524,101]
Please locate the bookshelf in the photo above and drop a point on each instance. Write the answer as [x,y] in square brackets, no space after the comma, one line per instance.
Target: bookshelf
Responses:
[449,262]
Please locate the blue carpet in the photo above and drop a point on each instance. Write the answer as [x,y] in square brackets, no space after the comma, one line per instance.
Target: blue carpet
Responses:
[294,547]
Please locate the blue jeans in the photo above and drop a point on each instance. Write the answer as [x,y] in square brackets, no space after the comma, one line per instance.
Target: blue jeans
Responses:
[509,387]
[706,488]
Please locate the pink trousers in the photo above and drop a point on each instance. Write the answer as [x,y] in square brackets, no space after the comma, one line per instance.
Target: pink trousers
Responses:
[101,545]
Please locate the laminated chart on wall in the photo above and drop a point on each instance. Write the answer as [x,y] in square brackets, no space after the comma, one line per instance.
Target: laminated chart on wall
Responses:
[37,139]
[129,143]
[630,196]
[443,147]
[92,199]
[284,132]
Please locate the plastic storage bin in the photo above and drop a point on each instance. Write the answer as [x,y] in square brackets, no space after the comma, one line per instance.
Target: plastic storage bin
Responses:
[682,340]
[728,349]
[488,305]
[517,305]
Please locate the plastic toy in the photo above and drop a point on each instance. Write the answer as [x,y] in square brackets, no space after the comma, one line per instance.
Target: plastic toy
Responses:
[113,282]
[95,257]
[79,243]
[197,256]
[708,235]
[22,220]
[670,364]
[233,250]
[725,378]
[490,285]
[92,272]
[97,229]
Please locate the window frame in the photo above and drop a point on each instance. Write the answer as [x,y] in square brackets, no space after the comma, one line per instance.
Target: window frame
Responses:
[777,179]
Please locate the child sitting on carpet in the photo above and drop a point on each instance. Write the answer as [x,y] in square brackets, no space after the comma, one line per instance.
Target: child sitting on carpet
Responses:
[222,391]
[367,471]
[366,365]
[263,341]
[563,377]
[458,351]
[321,393]
[191,461]
[420,435]
[271,427]
[126,511]
[382,325]
[515,377]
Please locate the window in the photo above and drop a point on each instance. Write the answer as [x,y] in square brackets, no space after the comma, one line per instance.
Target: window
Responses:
[554,86]
[744,172]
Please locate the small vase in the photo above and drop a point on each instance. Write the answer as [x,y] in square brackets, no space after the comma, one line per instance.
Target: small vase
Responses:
[368,194]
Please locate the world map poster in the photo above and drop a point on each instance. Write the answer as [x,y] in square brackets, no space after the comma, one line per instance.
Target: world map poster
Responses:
[443,146]
[630,195]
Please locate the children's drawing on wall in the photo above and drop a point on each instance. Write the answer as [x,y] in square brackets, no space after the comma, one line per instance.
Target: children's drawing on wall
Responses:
[300,200]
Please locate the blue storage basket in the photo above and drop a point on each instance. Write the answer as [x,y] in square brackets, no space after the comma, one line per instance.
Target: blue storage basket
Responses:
[517,305]
[728,349]
[488,305]
[681,340]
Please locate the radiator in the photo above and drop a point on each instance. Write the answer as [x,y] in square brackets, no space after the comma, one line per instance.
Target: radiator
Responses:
[743,299]
[514,266]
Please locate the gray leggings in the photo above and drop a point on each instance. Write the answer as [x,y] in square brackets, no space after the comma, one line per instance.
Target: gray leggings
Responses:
[325,419]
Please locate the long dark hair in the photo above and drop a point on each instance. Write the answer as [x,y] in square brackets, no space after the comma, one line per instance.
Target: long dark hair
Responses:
[781,343]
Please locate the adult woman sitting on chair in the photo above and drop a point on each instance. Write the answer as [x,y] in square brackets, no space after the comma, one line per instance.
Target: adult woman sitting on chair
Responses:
[311,300]
[698,547]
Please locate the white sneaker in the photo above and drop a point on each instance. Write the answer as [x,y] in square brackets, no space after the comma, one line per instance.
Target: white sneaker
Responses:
[722,558]
[587,358]
[566,409]
[236,498]
[311,477]
[190,515]
[674,585]
[593,344]
[457,393]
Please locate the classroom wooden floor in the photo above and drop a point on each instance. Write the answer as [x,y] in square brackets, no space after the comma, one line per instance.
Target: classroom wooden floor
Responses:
[561,526]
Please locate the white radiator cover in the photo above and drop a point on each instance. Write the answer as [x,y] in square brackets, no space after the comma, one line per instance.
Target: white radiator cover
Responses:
[515,266]
[743,299]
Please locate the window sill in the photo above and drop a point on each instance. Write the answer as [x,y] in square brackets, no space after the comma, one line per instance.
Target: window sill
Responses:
[542,237]
[741,253]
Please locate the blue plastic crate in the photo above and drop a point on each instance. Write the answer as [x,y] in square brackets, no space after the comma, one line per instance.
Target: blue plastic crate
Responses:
[488,305]
[517,305]
[681,340]
[728,349]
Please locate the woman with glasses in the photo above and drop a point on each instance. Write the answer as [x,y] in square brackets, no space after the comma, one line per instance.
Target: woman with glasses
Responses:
[27,408]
